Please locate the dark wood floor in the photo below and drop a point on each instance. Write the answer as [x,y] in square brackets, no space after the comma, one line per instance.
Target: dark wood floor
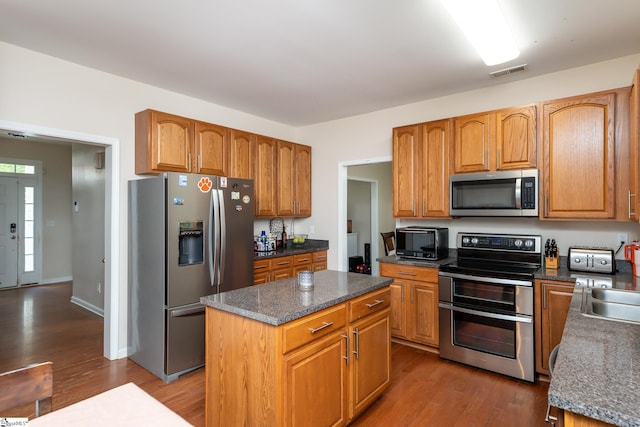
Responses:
[40,323]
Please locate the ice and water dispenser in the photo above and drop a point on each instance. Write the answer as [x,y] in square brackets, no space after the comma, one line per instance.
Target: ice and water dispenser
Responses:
[191,242]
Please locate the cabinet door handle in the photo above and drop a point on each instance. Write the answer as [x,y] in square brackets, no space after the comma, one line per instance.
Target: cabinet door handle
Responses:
[356,333]
[629,196]
[378,302]
[346,356]
[319,328]
[411,292]
[402,294]
[407,273]
[414,207]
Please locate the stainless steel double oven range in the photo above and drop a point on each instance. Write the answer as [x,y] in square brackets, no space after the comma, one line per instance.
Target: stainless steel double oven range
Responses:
[486,303]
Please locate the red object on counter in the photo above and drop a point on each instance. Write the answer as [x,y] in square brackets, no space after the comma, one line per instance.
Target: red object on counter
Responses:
[630,254]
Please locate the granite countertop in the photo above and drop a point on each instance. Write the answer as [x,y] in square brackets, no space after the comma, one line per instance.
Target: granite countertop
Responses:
[393,259]
[310,245]
[282,301]
[596,374]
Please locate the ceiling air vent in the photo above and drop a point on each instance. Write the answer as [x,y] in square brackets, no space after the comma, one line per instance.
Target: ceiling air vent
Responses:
[507,71]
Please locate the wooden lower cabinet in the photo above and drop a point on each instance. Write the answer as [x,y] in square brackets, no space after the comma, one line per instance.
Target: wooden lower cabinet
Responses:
[319,261]
[552,301]
[270,269]
[314,392]
[576,420]
[320,370]
[414,303]
[370,360]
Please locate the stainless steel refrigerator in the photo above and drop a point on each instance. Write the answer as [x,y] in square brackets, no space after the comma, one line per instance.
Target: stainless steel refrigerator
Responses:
[189,236]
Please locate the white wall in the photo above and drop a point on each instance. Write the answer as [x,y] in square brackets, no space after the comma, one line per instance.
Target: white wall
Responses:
[88,190]
[51,93]
[368,136]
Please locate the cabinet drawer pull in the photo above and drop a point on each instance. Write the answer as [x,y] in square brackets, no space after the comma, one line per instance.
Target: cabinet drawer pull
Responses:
[407,273]
[304,259]
[319,328]
[378,302]
[258,267]
[283,263]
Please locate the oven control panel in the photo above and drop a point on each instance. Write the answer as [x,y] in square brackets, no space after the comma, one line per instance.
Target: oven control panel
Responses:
[502,242]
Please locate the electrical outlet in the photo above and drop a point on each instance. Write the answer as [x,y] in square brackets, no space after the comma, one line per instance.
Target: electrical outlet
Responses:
[623,238]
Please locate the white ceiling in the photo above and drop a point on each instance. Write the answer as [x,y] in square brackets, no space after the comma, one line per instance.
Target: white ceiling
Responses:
[300,62]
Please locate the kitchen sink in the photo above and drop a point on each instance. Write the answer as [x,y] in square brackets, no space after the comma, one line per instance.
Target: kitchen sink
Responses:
[612,304]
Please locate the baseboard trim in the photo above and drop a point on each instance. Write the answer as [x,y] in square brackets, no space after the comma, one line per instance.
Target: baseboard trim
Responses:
[55,280]
[88,306]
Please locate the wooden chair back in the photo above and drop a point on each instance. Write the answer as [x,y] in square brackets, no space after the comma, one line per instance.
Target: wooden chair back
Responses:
[32,383]
[389,240]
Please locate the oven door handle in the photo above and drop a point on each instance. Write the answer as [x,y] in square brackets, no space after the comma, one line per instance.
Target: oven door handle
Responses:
[488,279]
[522,319]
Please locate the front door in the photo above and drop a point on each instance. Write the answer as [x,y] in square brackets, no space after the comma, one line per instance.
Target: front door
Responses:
[8,232]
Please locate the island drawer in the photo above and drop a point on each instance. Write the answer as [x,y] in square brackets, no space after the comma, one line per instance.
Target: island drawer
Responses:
[367,304]
[311,327]
[409,272]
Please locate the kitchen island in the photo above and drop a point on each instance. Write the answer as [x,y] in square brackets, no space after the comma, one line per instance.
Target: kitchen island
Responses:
[597,375]
[277,354]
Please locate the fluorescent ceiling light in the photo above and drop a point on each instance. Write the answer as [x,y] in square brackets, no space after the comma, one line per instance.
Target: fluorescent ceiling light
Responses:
[485,27]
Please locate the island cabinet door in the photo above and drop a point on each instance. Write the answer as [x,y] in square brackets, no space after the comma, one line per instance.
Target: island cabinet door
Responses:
[314,383]
[370,360]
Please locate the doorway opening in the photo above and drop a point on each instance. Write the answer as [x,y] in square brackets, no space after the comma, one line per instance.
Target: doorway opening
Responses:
[112,286]
[375,171]
[20,221]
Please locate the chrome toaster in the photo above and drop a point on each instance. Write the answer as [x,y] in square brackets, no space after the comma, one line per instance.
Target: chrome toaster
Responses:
[595,260]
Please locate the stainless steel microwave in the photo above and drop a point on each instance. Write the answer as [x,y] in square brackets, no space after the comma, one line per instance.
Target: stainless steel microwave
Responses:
[504,193]
[430,243]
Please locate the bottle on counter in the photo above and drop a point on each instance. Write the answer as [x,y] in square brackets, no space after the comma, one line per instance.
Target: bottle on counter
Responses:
[284,236]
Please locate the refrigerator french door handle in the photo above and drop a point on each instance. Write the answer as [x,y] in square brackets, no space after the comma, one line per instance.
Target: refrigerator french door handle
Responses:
[210,241]
[222,227]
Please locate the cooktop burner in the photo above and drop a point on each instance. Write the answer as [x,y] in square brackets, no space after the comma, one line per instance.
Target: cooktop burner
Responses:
[497,255]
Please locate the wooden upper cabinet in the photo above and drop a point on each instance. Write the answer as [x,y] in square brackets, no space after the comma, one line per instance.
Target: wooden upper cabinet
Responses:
[496,140]
[434,169]
[286,179]
[211,149]
[421,170]
[472,142]
[265,183]
[294,179]
[302,179]
[578,157]
[405,170]
[164,142]
[516,138]
[169,143]
[242,154]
